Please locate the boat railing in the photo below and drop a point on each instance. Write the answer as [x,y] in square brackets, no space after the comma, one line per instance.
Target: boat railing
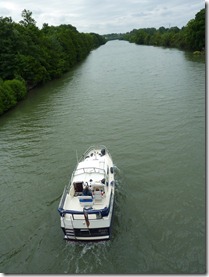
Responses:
[62,200]
[104,212]
[85,170]
[89,170]
[92,148]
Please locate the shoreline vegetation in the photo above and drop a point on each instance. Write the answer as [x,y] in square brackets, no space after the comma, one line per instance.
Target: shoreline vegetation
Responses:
[189,38]
[31,56]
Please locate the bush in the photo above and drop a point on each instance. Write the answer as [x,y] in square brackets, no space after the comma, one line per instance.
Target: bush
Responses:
[11,91]
[18,87]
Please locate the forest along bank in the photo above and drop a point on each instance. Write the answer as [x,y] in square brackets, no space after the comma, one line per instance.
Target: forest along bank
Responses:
[33,56]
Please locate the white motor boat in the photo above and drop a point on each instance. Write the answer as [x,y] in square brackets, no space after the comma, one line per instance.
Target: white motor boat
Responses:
[86,206]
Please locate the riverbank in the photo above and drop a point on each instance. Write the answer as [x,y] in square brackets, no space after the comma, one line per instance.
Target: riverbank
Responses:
[36,56]
[190,37]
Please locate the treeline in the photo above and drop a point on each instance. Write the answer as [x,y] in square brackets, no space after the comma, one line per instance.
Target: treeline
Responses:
[191,37]
[30,56]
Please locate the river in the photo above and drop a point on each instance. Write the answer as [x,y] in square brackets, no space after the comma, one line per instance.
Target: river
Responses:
[147,106]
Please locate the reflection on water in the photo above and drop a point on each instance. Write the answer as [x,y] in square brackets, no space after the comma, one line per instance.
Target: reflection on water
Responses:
[199,58]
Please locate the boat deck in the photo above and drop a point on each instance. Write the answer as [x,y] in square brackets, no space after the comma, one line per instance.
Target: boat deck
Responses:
[91,172]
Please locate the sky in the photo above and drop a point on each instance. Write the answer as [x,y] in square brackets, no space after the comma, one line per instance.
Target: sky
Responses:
[105,16]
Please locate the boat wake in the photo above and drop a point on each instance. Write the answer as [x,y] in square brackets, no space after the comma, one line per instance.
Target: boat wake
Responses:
[80,253]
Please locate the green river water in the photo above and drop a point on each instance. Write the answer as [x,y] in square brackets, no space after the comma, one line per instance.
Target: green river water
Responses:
[147,106]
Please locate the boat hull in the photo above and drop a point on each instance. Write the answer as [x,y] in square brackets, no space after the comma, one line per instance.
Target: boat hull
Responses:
[87,234]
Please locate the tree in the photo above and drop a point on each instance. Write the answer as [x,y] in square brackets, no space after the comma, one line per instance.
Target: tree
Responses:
[195,32]
[27,18]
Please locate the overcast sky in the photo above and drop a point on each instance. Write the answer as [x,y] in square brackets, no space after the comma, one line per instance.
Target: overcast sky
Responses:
[105,16]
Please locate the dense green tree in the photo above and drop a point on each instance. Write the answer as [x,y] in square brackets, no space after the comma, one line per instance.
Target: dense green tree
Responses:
[18,87]
[27,18]
[8,48]
[31,56]
[195,32]
[7,97]
[11,91]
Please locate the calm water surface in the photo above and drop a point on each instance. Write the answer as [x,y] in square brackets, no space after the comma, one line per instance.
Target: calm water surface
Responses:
[147,105]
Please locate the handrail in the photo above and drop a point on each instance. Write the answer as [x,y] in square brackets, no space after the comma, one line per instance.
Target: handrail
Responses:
[62,200]
[104,212]
[85,170]
[82,157]
[92,148]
